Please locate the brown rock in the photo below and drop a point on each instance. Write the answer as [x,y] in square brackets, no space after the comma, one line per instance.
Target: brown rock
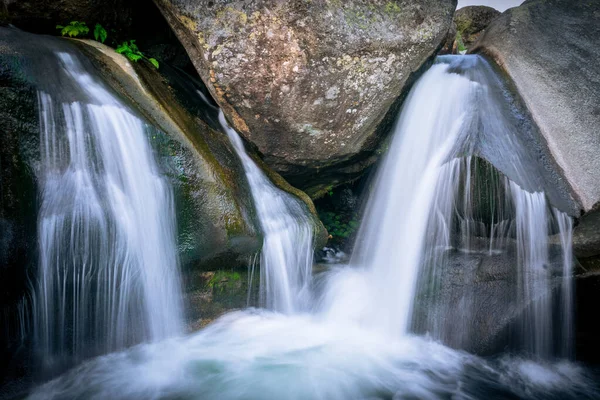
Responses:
[309,83]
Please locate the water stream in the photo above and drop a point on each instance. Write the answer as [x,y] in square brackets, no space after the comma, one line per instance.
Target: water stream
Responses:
[287,252]
[108,273]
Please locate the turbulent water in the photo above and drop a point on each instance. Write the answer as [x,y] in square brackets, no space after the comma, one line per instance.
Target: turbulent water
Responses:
[247,355]
[351,339]
[108,273]
[287,253]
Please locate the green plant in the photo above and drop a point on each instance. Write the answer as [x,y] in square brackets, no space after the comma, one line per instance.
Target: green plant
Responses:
[338,226]
[460,45]
[74,29]
[130,50]
[100,33]
[224,281]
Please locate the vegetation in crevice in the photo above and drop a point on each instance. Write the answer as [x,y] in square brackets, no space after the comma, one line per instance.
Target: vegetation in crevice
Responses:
[339,212]
[74,29]
[128,48]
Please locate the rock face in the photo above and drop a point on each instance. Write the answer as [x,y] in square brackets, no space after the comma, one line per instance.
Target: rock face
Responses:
[479,292]
[310,83]
[550,49]
[469,23]
[472,21]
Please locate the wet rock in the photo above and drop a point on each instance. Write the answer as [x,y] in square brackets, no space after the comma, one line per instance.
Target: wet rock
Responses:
[550,49]
[479,292]
[314,85]
[210,294]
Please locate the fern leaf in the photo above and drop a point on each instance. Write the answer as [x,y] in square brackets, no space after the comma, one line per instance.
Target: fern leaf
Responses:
[100,33]
[123,48]
[133,57]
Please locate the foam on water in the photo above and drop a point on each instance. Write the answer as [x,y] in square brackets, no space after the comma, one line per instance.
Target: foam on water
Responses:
[262,355]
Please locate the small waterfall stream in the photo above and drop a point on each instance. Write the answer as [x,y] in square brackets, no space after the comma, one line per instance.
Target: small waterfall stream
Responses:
[287,253]
[108,262]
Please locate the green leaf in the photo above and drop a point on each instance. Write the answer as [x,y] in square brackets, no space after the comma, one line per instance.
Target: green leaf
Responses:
[123,48]
[133,57]
[154,62]
[74,29]
[100,33]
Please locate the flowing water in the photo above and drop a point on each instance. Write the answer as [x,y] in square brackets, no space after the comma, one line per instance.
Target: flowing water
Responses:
[287,253]
[425,218]
[108,273]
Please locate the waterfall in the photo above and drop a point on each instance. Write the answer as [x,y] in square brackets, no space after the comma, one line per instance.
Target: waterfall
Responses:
[287,252]
[108,274]
[390,242]
[435,203]
[438,213]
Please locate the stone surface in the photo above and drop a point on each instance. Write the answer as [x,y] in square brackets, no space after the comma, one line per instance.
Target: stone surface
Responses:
[472,21]
[550,49]
[586,241]
[310,82]
[479,292]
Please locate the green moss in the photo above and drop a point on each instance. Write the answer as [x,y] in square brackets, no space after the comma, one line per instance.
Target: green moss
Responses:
[460,45]
[224,280]
[392,8]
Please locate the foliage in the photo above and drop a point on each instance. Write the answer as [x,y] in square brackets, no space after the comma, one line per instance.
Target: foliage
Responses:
[224,281]
[74,29]
[100,33]
[130,50]
[460,45]
[339,226]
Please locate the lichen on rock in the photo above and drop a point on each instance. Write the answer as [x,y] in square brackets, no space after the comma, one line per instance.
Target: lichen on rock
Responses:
[337,67]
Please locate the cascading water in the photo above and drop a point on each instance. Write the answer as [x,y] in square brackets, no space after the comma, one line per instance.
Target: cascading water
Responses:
[424,210]
[422,207]
[287,253]
[108,273]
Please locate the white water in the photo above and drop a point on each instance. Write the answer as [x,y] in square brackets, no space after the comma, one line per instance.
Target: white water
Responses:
[390,243]
[108,272]
[287,252]
[248,355]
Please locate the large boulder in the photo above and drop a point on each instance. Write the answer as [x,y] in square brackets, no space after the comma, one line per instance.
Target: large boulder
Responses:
[550,49]
[472,21]
[467,26]
[310,83]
